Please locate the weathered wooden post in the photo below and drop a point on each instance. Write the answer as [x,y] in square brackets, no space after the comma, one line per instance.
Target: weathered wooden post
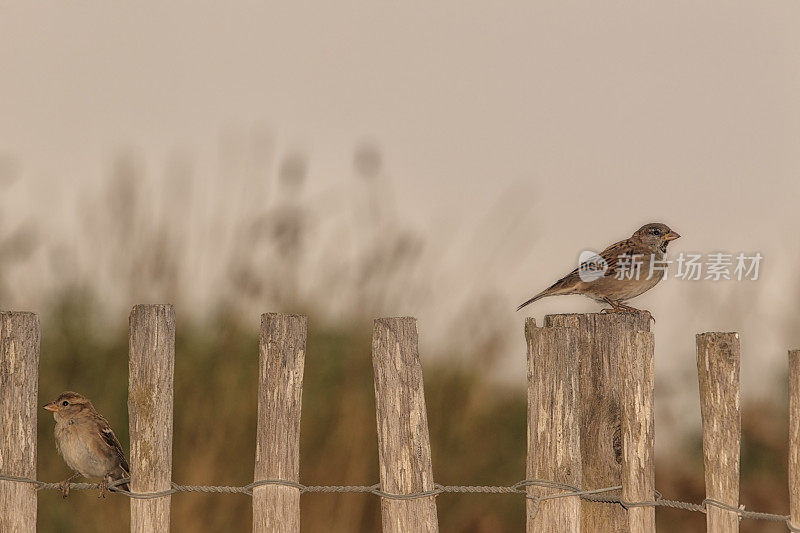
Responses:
[19,381]
[150,373]
[794,438]
[718,357]
[282,352]
[638,429]
[404,450]
[553,426]
[601,338]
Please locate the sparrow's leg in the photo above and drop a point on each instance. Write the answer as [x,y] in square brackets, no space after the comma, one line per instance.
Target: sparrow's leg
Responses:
[616,307]
[619,307]
[64,485]
[103,488]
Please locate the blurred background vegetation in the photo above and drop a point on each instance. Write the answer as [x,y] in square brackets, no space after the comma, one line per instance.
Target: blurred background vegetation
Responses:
[363,266]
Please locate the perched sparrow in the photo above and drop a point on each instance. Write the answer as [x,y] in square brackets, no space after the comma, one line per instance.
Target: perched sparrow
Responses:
[86,442]
[612,278]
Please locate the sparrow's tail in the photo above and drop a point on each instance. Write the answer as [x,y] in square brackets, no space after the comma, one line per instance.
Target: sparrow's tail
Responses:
[537,297]
[563,286]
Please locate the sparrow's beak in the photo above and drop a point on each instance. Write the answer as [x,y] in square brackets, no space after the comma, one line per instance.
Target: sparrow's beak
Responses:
[671,236]
[51,406]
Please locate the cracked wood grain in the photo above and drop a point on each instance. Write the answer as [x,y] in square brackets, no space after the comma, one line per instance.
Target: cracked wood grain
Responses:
[282,351]
[601,338]
[404,449]
[150,393]
[554,451]
[19,373]
[637,382]
[794,437]
[718,356]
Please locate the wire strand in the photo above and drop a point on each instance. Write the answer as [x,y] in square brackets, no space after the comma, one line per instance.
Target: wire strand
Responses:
[593,495]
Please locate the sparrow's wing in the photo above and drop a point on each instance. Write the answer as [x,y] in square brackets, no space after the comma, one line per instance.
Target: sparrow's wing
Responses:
[111,440]
[610,255]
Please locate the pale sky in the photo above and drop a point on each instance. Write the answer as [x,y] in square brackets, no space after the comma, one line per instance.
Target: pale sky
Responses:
[562,125]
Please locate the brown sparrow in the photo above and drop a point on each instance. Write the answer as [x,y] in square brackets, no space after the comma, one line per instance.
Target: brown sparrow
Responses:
[86,442]
[620,272]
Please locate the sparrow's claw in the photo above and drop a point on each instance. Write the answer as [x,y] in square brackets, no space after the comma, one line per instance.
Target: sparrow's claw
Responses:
[64,485]
[103,488]
[629,309]
[64,488]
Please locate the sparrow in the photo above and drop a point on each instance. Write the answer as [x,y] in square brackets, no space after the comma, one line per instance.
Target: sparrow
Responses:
[86,442]
[612,277]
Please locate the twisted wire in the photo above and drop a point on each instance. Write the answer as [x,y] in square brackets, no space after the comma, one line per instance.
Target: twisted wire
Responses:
[564,491]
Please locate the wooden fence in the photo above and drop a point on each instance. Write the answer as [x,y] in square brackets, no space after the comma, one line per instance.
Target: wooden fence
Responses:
[590,461]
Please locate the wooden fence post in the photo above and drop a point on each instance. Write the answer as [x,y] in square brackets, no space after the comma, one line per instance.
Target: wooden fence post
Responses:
[638,429]
[601,338]
[282,351]
[794,438]
[150,371]
[718,357]
[553,429]
[19,381]
[404,449]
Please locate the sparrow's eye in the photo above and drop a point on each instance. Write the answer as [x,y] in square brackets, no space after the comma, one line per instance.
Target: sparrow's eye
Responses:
[65,403]
[655,231]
